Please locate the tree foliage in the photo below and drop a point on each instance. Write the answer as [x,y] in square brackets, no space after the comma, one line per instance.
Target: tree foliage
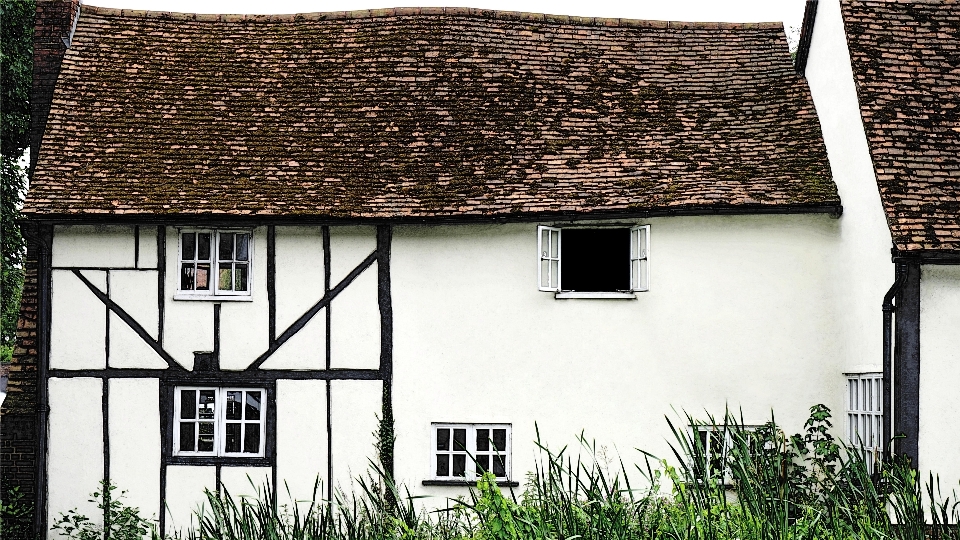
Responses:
[16,79]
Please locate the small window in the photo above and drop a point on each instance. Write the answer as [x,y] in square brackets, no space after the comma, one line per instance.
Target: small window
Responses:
[713,444]
[219,421]
[594,260]
[465,451]
[865,415]
[214,263]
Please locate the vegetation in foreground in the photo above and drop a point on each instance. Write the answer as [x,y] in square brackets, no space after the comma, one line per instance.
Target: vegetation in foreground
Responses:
[761,485]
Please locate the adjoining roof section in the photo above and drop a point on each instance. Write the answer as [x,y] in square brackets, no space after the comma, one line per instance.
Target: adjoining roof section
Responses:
[906,60]
[426,114]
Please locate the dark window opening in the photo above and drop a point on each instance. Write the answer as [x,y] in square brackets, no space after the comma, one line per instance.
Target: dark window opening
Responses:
[595,260]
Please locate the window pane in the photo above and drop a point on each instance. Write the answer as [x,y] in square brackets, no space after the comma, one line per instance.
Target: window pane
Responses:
[226,277]
[188,246]
[460,439]
[554,274]
[233,437]
[207,403]
[459,465]
[203,277]
[443,464]
[205,444]
[186,277]
[499,470]
[203,246]
[226,246]
[443,439]
[187,436]
[545,272]
[483,440]
[253,406]
[500,439]
[251,440]
[240,277]
[188,404]
[483,464]
[242,247]
[234,406]
[554,244]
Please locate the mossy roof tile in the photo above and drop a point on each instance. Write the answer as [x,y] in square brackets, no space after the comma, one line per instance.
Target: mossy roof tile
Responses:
[425,113]
[906,61]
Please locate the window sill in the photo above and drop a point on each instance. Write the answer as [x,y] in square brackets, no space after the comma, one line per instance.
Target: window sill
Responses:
[467,483]
[214,297]
[564,295]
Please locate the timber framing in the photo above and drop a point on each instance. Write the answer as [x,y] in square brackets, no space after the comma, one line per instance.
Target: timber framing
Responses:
[206,371]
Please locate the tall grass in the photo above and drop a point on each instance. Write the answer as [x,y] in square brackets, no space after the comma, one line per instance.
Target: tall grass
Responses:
[760,485]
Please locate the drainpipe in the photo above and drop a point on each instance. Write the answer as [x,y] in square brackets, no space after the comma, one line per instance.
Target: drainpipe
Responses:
[888,310]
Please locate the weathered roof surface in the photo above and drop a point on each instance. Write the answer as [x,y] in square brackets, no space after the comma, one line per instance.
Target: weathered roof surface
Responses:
[424,113]
[906,60]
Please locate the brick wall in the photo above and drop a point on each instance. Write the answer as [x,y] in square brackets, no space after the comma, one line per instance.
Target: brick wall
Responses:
[18,415]
[53,26]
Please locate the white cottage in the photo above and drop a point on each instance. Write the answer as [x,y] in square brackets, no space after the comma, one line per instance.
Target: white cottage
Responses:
[257,242]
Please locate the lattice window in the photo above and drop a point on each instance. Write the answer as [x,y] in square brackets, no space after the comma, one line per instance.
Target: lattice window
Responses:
[214,263]
[465,451]
[219,421]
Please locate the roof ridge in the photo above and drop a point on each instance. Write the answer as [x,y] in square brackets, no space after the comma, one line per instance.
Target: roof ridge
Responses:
[429,11]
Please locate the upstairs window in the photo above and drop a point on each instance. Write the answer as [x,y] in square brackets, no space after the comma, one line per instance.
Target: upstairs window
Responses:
[594,262]
[214,263]
[224,422]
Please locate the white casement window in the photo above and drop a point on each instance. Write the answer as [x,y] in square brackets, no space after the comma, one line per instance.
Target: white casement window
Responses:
[865,415]
[226,422]
[465,451]
[594,262]
[215,263]
[716,443]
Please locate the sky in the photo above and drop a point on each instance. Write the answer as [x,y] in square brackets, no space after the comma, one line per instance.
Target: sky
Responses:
[790,12]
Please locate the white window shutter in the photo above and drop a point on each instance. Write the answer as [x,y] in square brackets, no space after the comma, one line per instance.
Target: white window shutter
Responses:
[548,246]
[640,258]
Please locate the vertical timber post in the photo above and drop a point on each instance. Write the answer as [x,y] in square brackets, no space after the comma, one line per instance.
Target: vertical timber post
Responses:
[386,434]
[906,379]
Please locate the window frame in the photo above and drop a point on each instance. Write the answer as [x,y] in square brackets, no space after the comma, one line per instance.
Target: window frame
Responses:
[862,414]
[470,473]
[639,261]
[170,401]
[693,432]
[215,293]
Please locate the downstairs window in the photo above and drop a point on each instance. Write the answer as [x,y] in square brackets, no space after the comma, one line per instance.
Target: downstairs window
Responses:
[222,422]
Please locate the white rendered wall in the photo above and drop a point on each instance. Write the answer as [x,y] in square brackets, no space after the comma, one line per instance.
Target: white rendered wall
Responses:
[185,494]
[136,292]
[740,314]
[98,246]
[244,325]
[354,408]
[301,438]
[863,267]
[135,442]
[75,448]
[355,314]
[940,373]
[78,321]
[242,482]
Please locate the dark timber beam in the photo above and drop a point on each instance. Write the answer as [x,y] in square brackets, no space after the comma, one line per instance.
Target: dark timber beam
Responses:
[906,379]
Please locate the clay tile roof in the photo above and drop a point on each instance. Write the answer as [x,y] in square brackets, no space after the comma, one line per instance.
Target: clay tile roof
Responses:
[906,60]
[426,113]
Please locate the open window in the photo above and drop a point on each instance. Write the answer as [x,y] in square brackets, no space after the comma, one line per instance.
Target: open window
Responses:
[594,262]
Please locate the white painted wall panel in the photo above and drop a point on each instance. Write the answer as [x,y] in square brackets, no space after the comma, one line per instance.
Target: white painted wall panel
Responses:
[148,247]
[349,246]
[185,486]
[305,350]
[355,324]
[136,292]
[299,274]
[78,321]
[188,324]
[244,326]
[245,481]
[301,437]
[354,408]
[100,246]
[863,269]
[731,297]
[75,447]
[940,372]
[135,442]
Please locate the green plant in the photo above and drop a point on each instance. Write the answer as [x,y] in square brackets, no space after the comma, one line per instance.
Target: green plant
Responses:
[120,522]
[15,515]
